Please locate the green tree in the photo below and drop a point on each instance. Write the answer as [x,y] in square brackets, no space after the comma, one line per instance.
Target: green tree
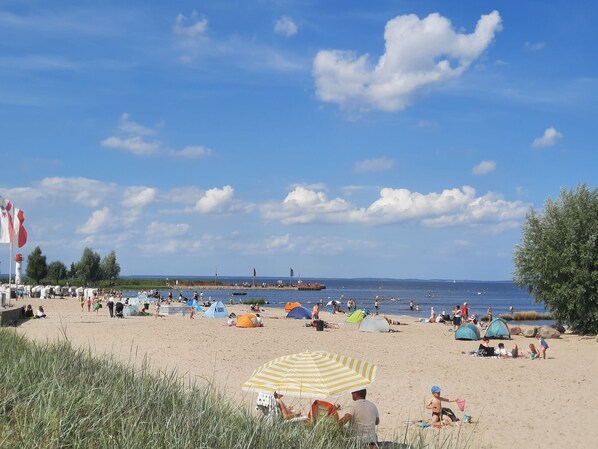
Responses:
[88,267]
[557,259]
[72,274]
[37,268]
[57,271]
[110,267]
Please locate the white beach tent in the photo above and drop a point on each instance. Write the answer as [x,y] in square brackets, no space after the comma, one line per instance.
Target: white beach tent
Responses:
[374,323]
[90,292]
[216,310]
[79,291]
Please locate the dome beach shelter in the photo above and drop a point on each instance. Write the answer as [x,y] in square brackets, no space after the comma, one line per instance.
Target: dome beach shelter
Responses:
[300,313]
[498,329]
[357,316]
[216,310]
[291,305]
[467,331]
[374,324]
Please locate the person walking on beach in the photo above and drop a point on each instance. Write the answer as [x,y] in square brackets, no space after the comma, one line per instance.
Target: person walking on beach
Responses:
[110,304]
[377,305]
[511,310]
[489,314]
[363,416]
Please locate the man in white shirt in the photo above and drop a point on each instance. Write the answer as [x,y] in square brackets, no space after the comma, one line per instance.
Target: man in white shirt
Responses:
[364,418]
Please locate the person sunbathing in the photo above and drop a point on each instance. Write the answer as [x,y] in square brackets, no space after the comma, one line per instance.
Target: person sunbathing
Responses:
[285,411]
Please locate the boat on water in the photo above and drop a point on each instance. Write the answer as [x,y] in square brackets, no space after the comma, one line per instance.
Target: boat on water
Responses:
[239,293]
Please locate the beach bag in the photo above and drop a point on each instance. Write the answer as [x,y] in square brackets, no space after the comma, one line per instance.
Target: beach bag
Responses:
[448,412]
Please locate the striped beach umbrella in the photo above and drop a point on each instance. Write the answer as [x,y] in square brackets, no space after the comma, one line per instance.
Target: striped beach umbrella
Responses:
[311,374]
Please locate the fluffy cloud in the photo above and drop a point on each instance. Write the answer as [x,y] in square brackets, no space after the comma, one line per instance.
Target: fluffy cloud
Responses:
[550,138]
[286,26]
[303,205]
[484,167]
[534,46]
[374,165]
[132,139]
[418,53]
[99,221]
[220,201]
[448,208]
[138,197]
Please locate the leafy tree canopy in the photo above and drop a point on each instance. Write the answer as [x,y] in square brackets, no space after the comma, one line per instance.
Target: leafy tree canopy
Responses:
[37,268]
[88,267]
[557,259]
[57,271]
[110,267]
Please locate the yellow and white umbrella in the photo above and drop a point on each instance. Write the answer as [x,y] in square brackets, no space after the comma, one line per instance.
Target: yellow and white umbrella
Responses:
[311,374]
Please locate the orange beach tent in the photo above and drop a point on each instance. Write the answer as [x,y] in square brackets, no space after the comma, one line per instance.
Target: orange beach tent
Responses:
[291,305]
[249,320]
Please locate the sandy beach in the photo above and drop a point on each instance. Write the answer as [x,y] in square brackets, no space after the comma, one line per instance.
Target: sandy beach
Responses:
[515,403]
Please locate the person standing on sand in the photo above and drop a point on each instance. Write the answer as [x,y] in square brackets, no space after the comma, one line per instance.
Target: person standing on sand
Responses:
[456,317]
[489,314]
[543,346]
[464,311]
[110,303]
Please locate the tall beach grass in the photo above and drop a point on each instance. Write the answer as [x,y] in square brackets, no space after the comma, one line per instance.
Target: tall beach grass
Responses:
[55,396]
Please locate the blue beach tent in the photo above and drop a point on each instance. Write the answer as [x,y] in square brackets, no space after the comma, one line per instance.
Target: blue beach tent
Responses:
[299,313]
[216,310]
[498,329]
[467,331]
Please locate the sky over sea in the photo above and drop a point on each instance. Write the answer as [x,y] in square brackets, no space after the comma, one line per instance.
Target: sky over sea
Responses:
[399,139]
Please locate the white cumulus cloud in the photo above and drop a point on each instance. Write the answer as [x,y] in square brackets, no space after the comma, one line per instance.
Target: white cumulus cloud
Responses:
[138,197]
[135,145]
[550,138]
[450,207]
[418,53]
[99,221]
[286,26]
[374,165]
[220,201]
[484,167]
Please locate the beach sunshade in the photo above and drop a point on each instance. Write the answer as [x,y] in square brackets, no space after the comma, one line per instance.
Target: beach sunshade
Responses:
[311,374]
[333,302]
[249,320]
[498,329]
[356,316]
[291,305]
[300,313]
[216,310]
[372,323]
[467,331]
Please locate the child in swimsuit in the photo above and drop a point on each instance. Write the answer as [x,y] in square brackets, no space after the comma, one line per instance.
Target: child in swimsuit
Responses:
[435,404]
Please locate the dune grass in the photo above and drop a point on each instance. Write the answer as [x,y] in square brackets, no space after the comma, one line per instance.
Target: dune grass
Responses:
[529,315]
[55,396]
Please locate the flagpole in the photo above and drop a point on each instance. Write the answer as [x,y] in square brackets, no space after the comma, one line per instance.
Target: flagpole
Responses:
[12,211]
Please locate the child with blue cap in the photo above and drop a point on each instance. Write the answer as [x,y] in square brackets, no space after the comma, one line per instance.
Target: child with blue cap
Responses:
[440,413]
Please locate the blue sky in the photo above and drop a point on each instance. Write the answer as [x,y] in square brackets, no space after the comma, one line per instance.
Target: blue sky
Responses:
[403,139]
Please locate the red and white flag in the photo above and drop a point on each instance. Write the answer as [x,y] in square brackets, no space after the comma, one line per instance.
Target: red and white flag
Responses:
[6,227]
[10,231]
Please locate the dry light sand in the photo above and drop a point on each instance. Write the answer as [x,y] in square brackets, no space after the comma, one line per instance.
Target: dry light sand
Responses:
[518,403]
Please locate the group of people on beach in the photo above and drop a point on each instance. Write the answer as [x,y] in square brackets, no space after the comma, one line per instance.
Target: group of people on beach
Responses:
[361,416]
[40,313]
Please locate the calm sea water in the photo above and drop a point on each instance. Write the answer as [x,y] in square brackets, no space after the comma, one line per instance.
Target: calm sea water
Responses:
[394,295]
